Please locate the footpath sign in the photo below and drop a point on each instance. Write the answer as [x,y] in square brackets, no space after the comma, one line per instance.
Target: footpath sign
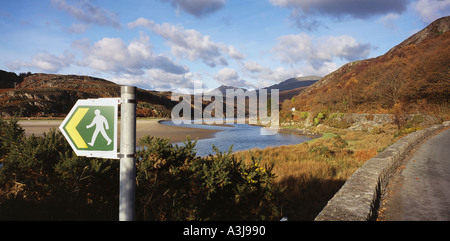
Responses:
[91,128]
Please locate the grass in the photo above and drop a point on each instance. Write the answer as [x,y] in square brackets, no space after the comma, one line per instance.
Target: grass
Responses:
[312,172]
[324,136]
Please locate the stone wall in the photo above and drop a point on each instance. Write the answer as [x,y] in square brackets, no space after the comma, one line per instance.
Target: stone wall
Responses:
[359,121]
[358,199]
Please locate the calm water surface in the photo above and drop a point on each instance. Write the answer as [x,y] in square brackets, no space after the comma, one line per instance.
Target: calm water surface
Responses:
[242,137]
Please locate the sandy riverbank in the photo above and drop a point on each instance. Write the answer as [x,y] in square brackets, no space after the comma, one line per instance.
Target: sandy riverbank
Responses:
[175,133]
[143,127]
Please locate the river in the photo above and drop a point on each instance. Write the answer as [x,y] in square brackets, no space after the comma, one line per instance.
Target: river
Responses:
[242,137]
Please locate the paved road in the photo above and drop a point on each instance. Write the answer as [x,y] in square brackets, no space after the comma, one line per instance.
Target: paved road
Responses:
[420,191]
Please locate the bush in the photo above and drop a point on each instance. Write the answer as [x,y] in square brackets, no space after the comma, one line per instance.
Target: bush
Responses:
[318,119]
[407,131]
[42,179]
[338,147]
[174,184]
[337,120]
[339,142]
[10,132]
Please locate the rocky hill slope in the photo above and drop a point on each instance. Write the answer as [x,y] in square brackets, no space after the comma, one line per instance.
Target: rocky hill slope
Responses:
[413,77]
[50,95]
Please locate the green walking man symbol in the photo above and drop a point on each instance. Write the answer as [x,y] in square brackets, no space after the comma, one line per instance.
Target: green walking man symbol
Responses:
[100,123]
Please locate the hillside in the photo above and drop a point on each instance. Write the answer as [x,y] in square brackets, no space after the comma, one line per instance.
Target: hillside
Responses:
[50,95]
[412,77]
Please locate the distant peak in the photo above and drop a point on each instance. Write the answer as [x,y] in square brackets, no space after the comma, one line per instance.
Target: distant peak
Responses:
[229,87]
[223,89]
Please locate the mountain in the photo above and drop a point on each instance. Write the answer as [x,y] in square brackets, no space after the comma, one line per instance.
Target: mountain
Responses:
[294,83]
[51,95]
[293,86]
[223,89]
[412,77]
[288,88]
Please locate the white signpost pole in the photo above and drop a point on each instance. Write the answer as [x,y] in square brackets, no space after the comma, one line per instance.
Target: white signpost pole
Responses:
[127,154]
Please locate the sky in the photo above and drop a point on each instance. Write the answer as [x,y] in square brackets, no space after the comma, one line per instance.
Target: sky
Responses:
[172,45]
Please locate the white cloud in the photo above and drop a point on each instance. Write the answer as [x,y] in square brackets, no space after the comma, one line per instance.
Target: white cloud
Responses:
[316,52]
[344,47]
[114,55]
[270,76]
[190,44]
[430,10]
[390,17]
[230,77]
[324,69]
[159,80]
[294,48]
[86,12]
[253,67]
[77,28]
[388,20]
[198,8]
[44,62]
[267,76]
[234,53]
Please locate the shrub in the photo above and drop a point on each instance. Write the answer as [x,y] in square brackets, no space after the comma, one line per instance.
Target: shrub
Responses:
[337,120]
[318,119]
[42,179]
[407,131]
[10,132]
[304,115]
[175,184]
[339,142]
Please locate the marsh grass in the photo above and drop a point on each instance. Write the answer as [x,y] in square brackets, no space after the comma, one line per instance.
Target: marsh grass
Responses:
[312,172]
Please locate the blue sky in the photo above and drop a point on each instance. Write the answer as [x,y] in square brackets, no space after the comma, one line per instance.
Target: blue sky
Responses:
[172,44]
